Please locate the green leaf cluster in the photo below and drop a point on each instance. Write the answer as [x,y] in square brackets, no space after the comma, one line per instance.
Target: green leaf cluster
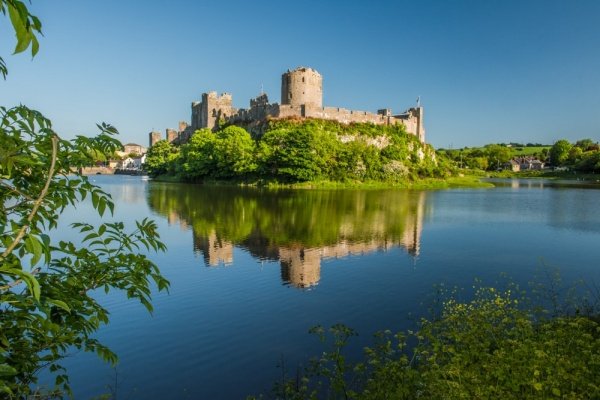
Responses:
[46,286]
[25,25]
[491,157]
[583,155]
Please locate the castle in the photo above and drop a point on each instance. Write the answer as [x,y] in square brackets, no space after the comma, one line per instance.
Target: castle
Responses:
[301,97]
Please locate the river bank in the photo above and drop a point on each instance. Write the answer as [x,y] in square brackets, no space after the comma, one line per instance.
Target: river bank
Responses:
[467,181]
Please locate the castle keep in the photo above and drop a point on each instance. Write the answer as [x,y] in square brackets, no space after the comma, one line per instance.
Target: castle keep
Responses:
[301,97]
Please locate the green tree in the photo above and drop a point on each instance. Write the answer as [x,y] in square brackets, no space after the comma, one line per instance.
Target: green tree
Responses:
[291,155]
[497,155]
[590,162]
[46,306]
[585,144]
[478,162]
[198,155]
[575,154]
[160,158]
[559,152]
[234,153]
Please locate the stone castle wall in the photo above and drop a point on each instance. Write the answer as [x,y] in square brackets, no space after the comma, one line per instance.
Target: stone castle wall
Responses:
[301,97]
[345,116]
[154,137]
[212,108]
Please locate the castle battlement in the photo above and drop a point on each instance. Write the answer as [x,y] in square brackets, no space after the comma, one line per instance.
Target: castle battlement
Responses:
[301,97]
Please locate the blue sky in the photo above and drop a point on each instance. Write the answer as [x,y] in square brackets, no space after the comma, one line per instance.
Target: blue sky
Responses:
[487,71]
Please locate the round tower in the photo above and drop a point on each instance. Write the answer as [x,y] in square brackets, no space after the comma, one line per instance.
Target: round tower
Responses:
[302,86]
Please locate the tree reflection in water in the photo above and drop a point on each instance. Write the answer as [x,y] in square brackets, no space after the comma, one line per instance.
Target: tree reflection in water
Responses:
[298,228]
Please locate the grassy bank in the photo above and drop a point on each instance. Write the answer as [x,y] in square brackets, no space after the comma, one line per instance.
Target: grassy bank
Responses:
[546,174]
[421,184]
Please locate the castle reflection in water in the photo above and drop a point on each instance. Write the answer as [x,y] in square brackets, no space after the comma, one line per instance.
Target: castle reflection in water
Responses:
[300,263]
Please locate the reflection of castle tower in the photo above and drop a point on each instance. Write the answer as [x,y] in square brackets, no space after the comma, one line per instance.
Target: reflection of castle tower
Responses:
[173,218]
[214,250]
[411,239]
[300,267]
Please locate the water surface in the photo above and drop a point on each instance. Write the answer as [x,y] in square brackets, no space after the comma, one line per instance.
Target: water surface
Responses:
[252,270]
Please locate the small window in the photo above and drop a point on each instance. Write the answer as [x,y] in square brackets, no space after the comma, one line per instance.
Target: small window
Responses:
[290,95]
[302,79]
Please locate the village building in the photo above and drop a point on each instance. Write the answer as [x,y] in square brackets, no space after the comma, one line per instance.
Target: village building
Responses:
[525,163]
[134,148]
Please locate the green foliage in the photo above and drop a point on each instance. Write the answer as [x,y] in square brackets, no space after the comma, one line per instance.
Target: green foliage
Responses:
[25,25]
[46,302]
[313,218]
[586,144]
[234,153]
[583,156]
[497,155]
[589,162]
[290,155]
[559,153]
[46,305]
[227,154]
[197,160]
[490,347]
[311,150]
[160,158]
[491,157]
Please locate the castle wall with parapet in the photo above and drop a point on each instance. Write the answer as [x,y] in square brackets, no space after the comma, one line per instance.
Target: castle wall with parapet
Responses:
[301,97]
[344,115]
[412,119]
[212,108]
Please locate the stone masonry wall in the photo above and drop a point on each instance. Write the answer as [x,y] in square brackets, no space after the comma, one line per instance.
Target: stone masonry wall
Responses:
[301,97]
[154,137]
[206,113]
[302,86]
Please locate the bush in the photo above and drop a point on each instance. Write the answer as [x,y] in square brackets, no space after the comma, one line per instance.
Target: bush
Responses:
[489,347]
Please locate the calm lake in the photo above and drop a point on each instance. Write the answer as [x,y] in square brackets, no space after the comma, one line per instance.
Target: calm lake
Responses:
[252,270]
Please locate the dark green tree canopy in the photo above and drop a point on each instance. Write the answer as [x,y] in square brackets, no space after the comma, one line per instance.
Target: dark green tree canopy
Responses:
[291,151]
[559,153]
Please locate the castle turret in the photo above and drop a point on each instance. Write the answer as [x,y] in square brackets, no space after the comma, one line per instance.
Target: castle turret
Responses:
[172,135]
[154,137]
[302,86]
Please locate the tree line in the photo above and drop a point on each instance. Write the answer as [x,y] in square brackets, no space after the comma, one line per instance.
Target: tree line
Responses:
[582,155]
[298,151]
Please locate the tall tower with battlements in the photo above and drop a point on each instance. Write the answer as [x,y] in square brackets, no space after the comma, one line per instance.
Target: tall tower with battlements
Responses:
[302,86]
[154,137]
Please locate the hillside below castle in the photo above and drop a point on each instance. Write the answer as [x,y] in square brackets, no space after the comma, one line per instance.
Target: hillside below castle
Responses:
[301,97]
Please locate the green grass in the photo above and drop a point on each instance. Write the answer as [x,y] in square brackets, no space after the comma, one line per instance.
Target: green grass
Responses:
[528,151]
[545,174]
[468,181]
